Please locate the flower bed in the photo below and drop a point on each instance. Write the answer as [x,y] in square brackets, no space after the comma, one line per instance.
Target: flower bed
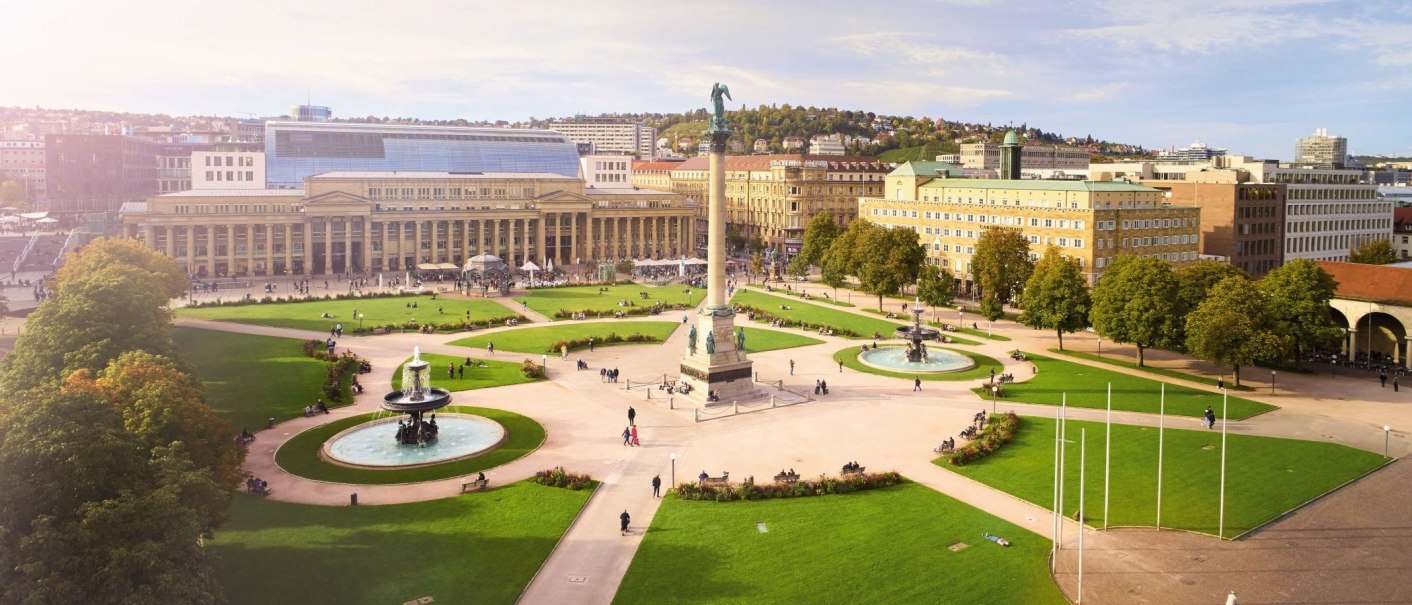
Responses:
[629,311]
[531,369]
[575,344]
[251,300]
[998,431]
[558,477]
[447,326]
[342,365]
[804,487]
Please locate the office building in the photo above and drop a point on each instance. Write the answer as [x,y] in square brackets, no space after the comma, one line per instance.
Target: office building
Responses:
[98,173]
[228,167]
[1195,152]
[1321,150]
[1090,221]
[297,150]
[396,221]
[310,113]
[610,136]
[773,197]
[23,161]
[606,171]
[1038,161]
[1241,223]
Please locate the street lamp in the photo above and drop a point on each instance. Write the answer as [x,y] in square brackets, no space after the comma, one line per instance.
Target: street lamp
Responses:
[360,321]
[673,456]
[1387,430]
[1272,382]
[994,392]
[1100,346]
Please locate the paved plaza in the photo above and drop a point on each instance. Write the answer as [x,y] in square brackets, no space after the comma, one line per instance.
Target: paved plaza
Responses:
[1348,547]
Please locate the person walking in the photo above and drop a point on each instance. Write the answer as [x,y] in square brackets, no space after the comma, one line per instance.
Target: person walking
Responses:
[632,416]
[590,344]
[627,435]
[840,367]
[817,386]
[657,486]
[1382,379]
[791,367]
[624,518]
[1394,384]
[1210,416]
[1221,382]
[490,348]
[635,442]
[916,384]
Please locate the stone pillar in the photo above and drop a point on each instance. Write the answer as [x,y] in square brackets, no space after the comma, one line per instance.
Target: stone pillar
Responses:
[288,248]
[210,251]
[495,237]
[348,244]
[716,240]
[308,258]
[465,241]
[269,249]
[540,249]
[524,241]
[588,247]
[190,249]
[230,250]
[574,238]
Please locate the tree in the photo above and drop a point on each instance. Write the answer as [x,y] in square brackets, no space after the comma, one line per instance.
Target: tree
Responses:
[818,236]
[757,265]
[841,258]
[797,267]
[935,287]
[888,259]
[1194,283]
[1135,302]
[1376,251]
[1056,296]
[734,240]
[1002,262]
[1298,295]
[1233,327]
[12,193]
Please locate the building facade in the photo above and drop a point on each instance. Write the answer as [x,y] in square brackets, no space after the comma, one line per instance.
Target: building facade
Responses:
[773,197]
[611,136]
[1091,222]
[23,161]
[228,168]
[382,221]
[1241,223]
[1321,150]
[606,171]
[1037,159]
[1402,233]
[98,173]
[297,150]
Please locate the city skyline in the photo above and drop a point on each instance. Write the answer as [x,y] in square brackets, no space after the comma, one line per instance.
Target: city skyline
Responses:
[1251,76]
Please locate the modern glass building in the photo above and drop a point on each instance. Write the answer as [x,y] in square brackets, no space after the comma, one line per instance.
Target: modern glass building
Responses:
[295,150]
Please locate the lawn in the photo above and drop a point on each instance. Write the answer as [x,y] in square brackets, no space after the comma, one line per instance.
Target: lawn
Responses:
[476,548]
[759,340]
[495,374]
[1087,387]
[879,546]
[814,314]
[1265,477]
[308,315]
[250,378]
[588,299]
[1206,380]
[300,455]
[984,364]
[541,339]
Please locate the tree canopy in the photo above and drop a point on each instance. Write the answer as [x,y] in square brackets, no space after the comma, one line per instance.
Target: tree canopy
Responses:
[1233,327]
[1194,283]
[818,236]
[1056,296]
[1377,251]
[1002,262]
[888,259]
[1298,295]
[1135,302]
[935,287]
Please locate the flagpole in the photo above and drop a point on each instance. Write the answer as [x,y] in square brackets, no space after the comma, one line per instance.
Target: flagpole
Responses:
[1107,454]
[1221,523]
[1083,455]
[1063,455]
[1054,506]
[1161,426]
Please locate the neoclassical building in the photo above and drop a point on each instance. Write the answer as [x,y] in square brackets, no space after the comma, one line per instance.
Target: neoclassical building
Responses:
[362,222]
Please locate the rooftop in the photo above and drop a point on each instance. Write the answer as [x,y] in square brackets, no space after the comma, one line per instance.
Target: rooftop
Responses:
[237,193]
[763,162]
[395,174]
[1032,185]
[1373,283]
[932,169]
[623,191]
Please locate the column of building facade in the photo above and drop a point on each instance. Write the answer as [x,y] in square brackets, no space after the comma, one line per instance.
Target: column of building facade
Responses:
[210,250]
[190,249]
[617,238]
[171,241]
[574,254]
[288,248]
[307,258]
[465,240]
[230,250]
[347,244]
[541,252]
[525,239]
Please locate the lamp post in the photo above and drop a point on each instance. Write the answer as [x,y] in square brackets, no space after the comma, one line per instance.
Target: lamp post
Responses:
[673,456]
[1387,430]
[1272,382]
[994,392]
[360,321]
[1100,346]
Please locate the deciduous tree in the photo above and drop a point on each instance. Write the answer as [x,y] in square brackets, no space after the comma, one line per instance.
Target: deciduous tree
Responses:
[935,287]
[1377,251]
[1233,327]
[1298,295]
[1135,302]
[1056,296]
[888,260]
[818,235]
[1194,283]
[1002,262]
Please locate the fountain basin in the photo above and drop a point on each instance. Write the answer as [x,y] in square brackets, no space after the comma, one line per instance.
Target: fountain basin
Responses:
[894,359]
[373,444]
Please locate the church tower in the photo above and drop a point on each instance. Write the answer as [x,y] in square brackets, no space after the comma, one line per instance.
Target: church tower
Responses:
[1010,156]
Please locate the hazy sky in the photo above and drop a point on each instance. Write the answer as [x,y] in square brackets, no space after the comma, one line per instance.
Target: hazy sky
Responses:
[1251,75]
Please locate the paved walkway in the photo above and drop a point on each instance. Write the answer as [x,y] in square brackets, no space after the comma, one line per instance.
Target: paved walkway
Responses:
[876,420]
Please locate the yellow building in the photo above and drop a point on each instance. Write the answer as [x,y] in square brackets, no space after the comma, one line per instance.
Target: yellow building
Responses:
[773,197]
[394,221]
[1089,221]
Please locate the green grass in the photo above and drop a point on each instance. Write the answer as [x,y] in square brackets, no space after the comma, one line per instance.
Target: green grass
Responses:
[817,297]
[849,357]
[814,314]
[906,318]
[251,378]
[548,301]
[1087,387]
[982,334]
[1150,370]
[495,374]
[308,315]
[759,340]
[878,546]
[904,154]
[1265,477]
[300,455]
[538,340]
[476,548]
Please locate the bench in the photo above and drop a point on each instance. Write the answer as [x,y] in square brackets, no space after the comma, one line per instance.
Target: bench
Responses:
[379,331]
[787,478]
[721,481]
[474,486]
[853,471]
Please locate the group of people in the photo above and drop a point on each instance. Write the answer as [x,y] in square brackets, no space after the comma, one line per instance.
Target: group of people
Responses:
[851,467]
[630,432]
[256,485]
[608,374]
[821,387]
[245,436]
[317,408]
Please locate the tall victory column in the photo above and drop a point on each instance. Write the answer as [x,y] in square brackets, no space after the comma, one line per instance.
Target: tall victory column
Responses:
[715,361]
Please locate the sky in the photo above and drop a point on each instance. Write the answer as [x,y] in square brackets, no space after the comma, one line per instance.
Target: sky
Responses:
[1248,75]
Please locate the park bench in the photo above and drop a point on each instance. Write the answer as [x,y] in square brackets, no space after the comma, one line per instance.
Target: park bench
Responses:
[787,478]
[474,486]
[853,471]
[379,331]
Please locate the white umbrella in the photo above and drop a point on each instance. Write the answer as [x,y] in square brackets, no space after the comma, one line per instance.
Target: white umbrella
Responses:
[46,221]
[531,267]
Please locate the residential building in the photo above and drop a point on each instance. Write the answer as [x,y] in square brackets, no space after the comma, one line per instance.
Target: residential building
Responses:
[606,171]
[792,143]
[1402,232]
[826,145]
[174,165]
[228,167]
[23,161]
[761,146]
[1038,160]
[653,174]
[98,173]
[613,136]
[365,222]
[1195,152]
[773,197]
[297,150]
[1090,221]
[1321,150]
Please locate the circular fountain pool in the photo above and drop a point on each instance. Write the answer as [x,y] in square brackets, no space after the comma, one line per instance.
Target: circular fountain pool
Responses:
[374,444]
[895,359]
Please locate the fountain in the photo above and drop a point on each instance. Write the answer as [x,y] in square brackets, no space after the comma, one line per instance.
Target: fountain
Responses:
[915,334]
[916,357]
[418,440]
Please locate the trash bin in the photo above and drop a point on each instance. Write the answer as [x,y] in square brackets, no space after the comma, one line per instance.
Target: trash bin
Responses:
[270,423]
[353,499]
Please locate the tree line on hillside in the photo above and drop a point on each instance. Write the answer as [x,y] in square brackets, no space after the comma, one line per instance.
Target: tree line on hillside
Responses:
[112,467]
[1206,308]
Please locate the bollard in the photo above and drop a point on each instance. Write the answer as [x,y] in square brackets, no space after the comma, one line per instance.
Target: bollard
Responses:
[671,403]
[772,400]
[353,499]
[757,377]
[629,387]
[269,424]
[649,394]
[735,407]
[696,414]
